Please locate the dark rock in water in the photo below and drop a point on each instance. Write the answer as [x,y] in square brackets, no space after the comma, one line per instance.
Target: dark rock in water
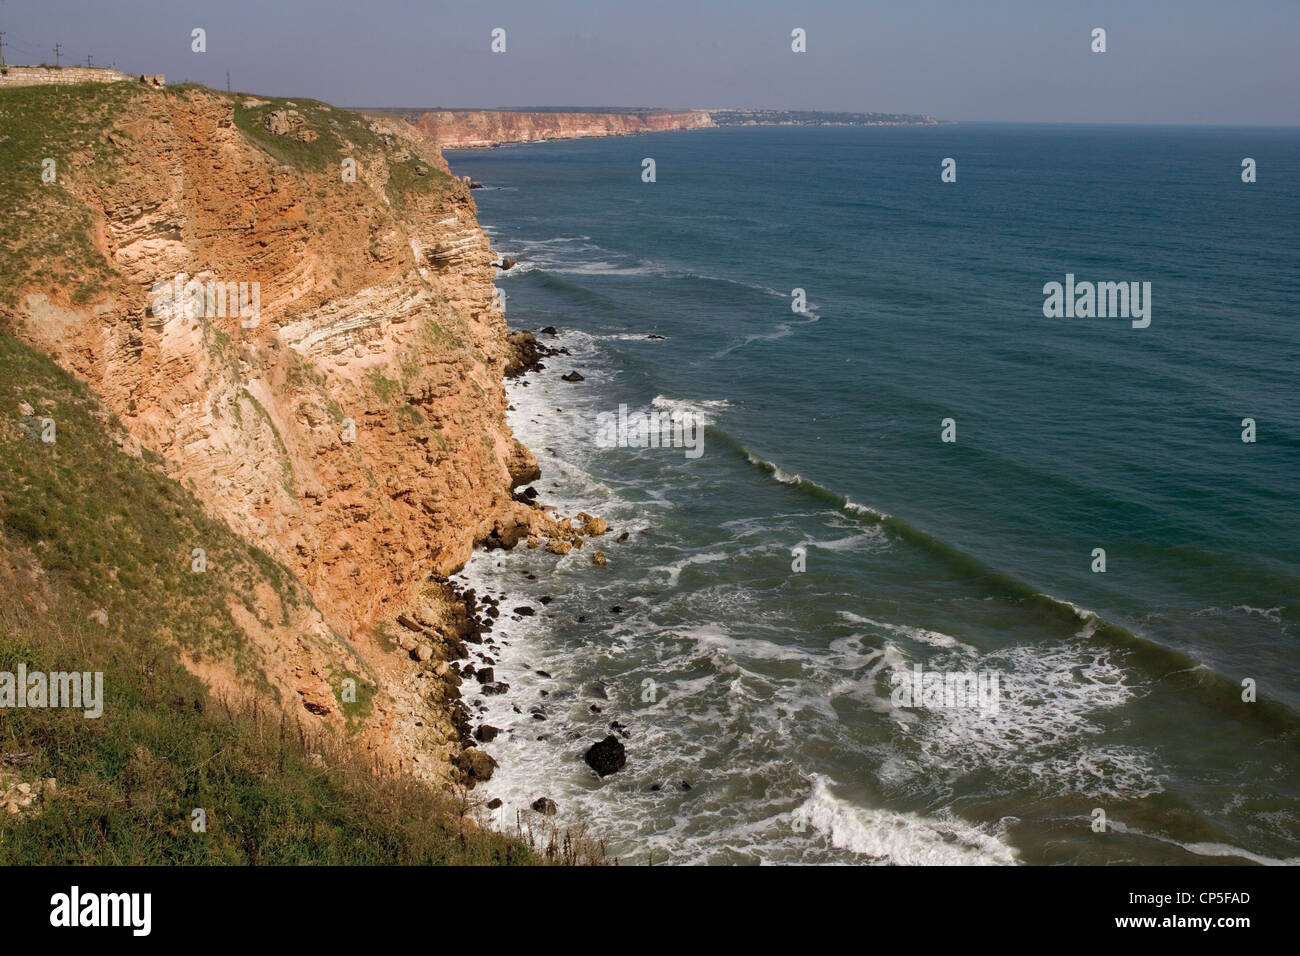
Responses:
[606,757]
[545,599]
[530,492]
[545,806]
[655,788]
[525,611]
[685,785]
[624,536]
[573,377]
[485,675]
[582,618]
[486,733]
[493,611]
[548,330]
[507,262]
[494,803]
[543,674]
[616,609]
[474,185]
[468,671]
[653,336]
[595,709]
[496,687]
[524,355]
[475,765]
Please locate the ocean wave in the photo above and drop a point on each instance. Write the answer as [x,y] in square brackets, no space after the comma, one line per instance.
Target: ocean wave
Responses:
[906,839]
[703,411]
[675,569]
[1219,850]
[782,330]
[919,634]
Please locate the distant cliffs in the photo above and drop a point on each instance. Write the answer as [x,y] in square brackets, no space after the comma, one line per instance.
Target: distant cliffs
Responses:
[451,129]
[458,128]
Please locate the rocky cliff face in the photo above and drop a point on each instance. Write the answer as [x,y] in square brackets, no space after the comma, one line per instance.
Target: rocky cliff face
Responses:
[451,128]
[351,420]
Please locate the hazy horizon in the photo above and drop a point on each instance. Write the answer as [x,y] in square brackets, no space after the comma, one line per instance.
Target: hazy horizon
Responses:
[1167,62]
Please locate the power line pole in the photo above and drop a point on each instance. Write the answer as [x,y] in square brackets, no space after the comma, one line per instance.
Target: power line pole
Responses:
[88,59]
[57,52]
[227,74]
[2,48]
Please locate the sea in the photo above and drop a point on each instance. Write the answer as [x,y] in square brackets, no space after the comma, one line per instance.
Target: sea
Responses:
[1075,537]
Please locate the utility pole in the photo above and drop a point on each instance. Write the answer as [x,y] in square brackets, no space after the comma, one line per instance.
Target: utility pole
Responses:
[227,74]
[88,59]
[2,48]
[57,52]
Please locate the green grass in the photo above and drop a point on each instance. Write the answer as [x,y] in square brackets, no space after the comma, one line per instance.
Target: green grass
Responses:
[45,233]
[433,333]
[340,134]
[335,129]
[384,387]
[88,527]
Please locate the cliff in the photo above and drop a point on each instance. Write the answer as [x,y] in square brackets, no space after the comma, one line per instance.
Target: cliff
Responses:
[455,128]
[327,382]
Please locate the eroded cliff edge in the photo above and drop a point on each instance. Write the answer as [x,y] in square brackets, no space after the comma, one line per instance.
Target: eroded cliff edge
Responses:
[351,423]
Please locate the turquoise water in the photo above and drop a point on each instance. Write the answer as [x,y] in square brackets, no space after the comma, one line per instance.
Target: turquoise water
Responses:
[1120,691]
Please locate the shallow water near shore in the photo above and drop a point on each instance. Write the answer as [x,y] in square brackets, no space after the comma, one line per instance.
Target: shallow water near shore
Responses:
[767,691]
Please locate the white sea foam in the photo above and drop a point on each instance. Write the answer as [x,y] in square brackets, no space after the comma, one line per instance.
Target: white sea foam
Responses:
[919,634]
[1047,734]
[704,411]
[906,839]
[675,569]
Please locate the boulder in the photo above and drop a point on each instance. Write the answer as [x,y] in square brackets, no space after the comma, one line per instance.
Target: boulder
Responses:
[475,765]
[592,525]
[545,806]
[606,757]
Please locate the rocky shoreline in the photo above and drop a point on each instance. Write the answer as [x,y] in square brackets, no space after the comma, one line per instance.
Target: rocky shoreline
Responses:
[454,638]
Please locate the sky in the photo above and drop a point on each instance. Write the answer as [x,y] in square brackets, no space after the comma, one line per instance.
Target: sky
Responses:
[1166,61]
